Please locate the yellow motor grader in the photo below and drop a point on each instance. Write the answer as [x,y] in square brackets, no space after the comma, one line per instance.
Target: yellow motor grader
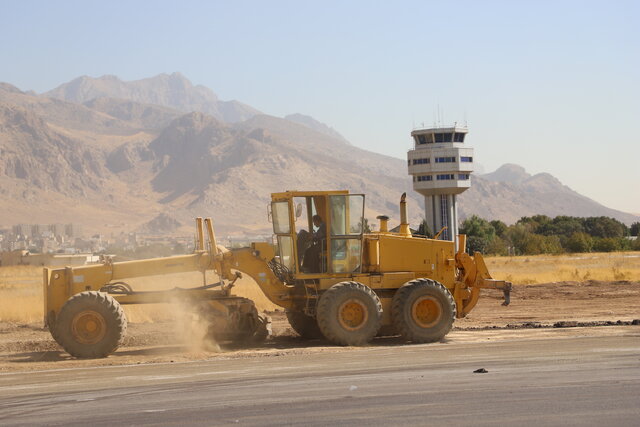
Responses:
[334,280]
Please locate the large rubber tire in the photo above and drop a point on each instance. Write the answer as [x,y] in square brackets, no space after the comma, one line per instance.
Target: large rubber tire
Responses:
[423,311]
[349,313]
[54,332]
[91,325]
[306,326]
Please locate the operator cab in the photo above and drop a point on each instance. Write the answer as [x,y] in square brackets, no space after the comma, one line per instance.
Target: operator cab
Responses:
[318,233]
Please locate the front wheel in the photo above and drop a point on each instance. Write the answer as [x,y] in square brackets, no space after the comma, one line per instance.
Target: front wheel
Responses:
[90,325]
[349,313]
[423,311]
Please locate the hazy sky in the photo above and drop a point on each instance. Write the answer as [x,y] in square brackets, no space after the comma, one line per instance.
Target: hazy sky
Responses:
[551,85]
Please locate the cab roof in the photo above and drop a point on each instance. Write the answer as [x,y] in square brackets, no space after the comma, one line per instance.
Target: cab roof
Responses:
[295,193]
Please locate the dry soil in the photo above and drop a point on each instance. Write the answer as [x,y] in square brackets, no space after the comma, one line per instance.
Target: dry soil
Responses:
[590,307]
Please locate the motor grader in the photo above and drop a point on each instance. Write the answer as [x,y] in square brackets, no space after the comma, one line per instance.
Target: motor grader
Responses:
[333,278]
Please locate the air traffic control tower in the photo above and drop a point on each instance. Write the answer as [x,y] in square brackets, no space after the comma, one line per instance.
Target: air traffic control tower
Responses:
[441,166]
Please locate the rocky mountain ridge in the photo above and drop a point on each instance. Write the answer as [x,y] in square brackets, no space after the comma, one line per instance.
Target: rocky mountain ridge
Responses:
[114,164]
[168,90]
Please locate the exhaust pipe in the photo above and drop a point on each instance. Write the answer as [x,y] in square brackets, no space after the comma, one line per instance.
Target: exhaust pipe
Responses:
[404,223]
[384,223]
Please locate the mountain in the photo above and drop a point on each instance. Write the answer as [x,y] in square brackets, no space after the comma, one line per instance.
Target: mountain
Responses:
[229,171]
[509,173]
[140,116]
[64,115]
[168,90]
[116,164]
[312,123]
[510,193]
[161,224]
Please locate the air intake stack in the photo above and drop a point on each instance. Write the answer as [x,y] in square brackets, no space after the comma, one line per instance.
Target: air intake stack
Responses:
[441,166]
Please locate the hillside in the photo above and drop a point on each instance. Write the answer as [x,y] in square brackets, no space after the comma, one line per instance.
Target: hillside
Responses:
[168,90]
[115,164]
[510,193]
[312,123]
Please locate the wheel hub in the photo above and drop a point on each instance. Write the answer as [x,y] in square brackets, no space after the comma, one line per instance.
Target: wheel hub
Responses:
[426,311]
[88,327]
[352,314]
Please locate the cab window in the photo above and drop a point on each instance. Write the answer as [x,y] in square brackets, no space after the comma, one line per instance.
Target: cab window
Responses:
[347,213]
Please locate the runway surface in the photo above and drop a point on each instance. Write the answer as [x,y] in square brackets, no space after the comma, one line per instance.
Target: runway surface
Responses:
[566,380]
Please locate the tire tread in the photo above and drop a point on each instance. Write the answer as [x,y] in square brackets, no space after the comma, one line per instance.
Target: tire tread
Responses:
[399,307]
[114,336]
[328,301]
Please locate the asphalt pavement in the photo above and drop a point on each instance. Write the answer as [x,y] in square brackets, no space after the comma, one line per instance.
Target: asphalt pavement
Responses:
[558,381]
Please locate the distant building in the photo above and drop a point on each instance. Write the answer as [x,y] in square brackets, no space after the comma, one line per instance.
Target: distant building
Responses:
[58,229]
[72,230]
[22,230]
[441,167]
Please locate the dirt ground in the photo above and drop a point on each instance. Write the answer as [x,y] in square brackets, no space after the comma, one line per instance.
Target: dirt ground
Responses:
[591,307]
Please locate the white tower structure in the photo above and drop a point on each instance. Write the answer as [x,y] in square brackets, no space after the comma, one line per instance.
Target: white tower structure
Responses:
[441,166]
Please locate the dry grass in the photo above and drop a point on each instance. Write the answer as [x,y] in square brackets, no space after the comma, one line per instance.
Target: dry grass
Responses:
[21,286]
[21,294]
[524,270]
[21,298]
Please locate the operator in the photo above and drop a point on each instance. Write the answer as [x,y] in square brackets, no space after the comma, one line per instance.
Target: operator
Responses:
[321,233]
[311,261]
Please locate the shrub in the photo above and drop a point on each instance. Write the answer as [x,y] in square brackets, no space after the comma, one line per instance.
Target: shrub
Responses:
[606,244]
[579,242]
[497,246]
[476,244]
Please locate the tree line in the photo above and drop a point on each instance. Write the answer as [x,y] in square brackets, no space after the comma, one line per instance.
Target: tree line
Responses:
[540,234]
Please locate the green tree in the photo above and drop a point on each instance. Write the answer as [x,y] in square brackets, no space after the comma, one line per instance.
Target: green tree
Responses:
[579,242]
[604,227]
[476,244]
[634,230]
[516,237]
[423,229]
[563,226]
[606,244]
[625,244]
[534,223]
[478,227]
[538,244]
[479,233]
[499,226]
[366,228]
[497,246]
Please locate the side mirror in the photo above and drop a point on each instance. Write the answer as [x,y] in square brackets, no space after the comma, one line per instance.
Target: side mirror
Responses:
[298,210]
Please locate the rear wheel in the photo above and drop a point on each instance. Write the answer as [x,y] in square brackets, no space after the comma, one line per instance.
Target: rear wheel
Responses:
[349,313]
[90,325]
[423,311]
[305,326]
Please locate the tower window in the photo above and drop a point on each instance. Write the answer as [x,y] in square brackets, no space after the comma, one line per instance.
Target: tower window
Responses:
[463,176]
[421,161]
[445,159]
[424,178]
[466,159]
[443,137]
[422,139]
[445,177]
[459,137]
